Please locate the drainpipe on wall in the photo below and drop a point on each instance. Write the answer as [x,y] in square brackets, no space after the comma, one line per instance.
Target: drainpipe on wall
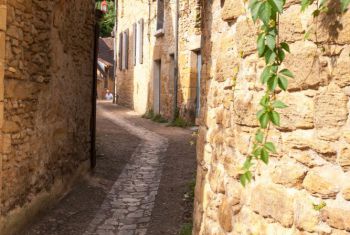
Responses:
[115,51]
[176,58]
[98,16]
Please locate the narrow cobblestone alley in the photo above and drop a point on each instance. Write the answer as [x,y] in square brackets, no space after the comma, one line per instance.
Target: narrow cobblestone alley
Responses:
[143,169]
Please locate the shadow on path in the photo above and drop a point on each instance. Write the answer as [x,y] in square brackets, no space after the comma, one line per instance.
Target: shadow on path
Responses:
[121,145]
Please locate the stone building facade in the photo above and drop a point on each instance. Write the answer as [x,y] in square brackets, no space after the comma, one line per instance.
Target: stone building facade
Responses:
[105,67]
[305,188]
[147,57]
[46,70]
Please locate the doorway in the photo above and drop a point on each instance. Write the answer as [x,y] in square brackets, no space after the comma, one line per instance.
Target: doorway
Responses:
[157,86]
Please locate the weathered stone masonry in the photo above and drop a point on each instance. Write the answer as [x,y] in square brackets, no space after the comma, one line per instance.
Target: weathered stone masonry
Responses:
[45,123]
[312,164]
[136,84]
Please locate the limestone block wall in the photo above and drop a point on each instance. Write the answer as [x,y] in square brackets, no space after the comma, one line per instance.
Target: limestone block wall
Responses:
[312,164]
[190,40]
[45,133]
[135,84]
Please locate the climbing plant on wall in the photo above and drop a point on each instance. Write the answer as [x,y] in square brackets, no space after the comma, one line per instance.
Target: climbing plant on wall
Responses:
[274,75]
[107,22]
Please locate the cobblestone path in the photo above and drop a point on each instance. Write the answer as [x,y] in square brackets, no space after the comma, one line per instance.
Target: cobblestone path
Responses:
[138,186]
[128,206]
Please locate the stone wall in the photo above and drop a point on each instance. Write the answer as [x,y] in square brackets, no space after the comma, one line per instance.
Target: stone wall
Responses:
[312,164]
[47,102]
[189,47]
[135,84]
[135,87]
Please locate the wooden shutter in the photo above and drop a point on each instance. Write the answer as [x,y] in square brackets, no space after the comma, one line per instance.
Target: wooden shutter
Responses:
[120,52]
[141,22]
[160,14]
[127,49]
[135,32]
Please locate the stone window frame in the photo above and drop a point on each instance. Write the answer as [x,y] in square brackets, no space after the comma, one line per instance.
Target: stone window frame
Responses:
[160,19]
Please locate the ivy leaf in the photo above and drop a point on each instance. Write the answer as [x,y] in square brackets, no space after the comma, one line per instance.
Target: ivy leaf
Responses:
[254,9]
[285,46]
[247,164]
[261,44]
[281,54]
[264,156]
[287,73]
[265,12]
[249,176]
[264,119]
[245,178]
[266,74]
[257,152]
[265,101]
[305,4]
[260,113]
[344,4]
[259,136]
[252,3]
[270,56]
[272,83]
[271,42]
[316,13]
[270,147]
[279,105]
[322,3]
[277,5]
[283,83]
[275,118]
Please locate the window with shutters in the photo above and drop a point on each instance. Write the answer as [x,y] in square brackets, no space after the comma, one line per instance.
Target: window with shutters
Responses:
[160,14]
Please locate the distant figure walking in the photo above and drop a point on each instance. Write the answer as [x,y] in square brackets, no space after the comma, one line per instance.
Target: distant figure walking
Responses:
[109,95]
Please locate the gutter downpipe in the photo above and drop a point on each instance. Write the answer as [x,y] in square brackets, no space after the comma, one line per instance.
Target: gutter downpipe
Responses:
[98,16]
[115,51]
[176,58]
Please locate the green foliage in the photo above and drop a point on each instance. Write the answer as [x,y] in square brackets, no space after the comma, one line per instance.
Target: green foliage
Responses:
[318,207]
[269,47]
[154,117]
[159,118]
[322,5]
[273,51]
[149,114]
[191,187]
[186,229]
[108,20]
[180,122]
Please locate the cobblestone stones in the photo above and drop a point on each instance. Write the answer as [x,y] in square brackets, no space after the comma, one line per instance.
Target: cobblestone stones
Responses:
[128,206]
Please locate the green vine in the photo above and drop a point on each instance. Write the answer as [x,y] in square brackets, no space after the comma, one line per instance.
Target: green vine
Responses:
[273,76]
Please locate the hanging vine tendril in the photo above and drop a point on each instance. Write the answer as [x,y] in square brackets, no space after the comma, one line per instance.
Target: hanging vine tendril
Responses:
[269,47]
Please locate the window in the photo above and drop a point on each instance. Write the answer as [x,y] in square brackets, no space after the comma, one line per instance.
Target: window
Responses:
[160,14]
